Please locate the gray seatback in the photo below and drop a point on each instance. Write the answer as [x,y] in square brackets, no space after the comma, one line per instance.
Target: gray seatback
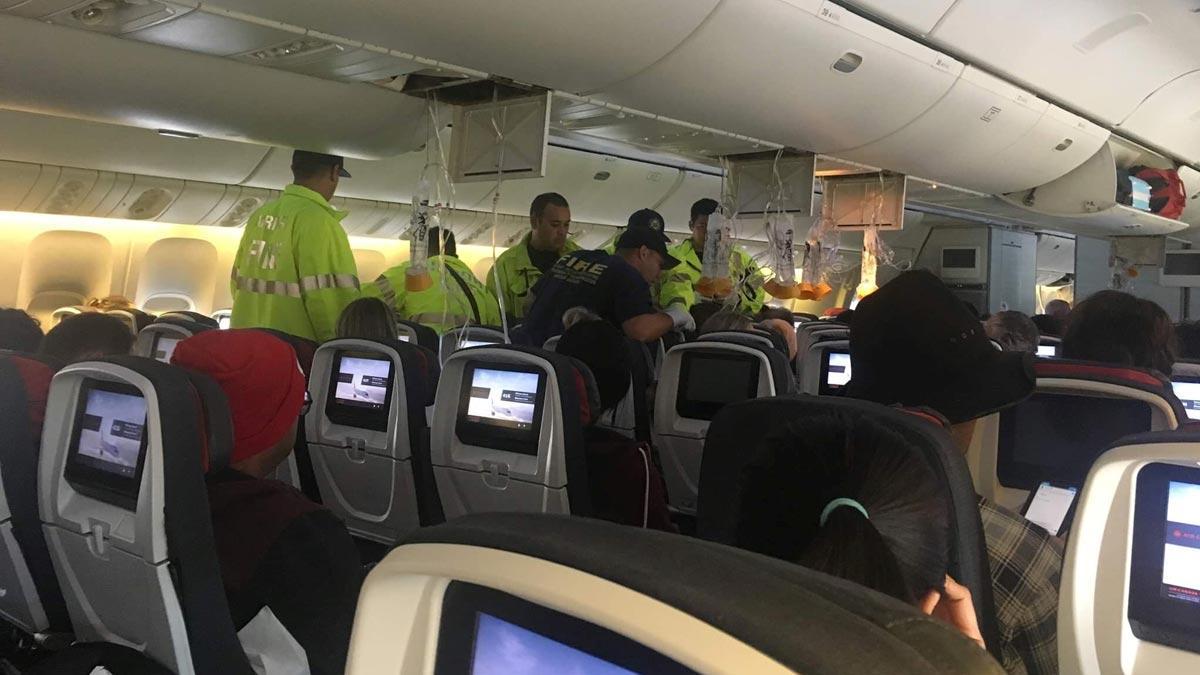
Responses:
[365,474]
[473,477]
[809,364]
[157,341]
[679,438]
[461,338]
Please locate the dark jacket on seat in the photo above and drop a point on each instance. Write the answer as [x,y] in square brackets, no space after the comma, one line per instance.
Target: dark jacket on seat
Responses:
[278,549]
[626,486]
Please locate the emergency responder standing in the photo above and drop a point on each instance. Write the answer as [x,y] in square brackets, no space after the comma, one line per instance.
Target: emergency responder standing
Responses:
[294,271]
[640,218]
[679,287]
[519,268]
[454,300]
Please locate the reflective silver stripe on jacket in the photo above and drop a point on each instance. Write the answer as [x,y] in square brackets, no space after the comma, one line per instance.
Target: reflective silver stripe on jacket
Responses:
[386,290]
[320,281]
[266,286]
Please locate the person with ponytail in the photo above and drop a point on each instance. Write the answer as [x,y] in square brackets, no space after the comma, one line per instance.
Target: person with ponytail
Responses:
[854,500]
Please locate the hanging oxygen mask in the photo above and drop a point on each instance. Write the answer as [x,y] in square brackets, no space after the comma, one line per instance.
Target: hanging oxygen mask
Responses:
[715,278]
[781,229]
[417,277]
[820,254]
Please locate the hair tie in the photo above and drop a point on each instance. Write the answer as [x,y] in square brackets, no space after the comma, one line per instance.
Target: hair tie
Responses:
[842,501]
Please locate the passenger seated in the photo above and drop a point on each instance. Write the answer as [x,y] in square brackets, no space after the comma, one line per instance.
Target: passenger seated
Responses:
[626,486]
[20,332]
[1187,336]
[1059,310]
[1014,331]
[277,549]
[945,362]
[733,320]
[85,336]
[1115,327]
[1048,325]
[858,502]
[368,318]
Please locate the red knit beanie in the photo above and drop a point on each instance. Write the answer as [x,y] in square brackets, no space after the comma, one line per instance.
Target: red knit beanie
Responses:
[261,378]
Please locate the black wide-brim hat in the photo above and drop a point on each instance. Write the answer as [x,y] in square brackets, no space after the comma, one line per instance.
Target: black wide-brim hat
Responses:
[913,342]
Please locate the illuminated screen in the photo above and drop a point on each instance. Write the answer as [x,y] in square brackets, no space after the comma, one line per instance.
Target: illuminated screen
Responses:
[838,372]
[363,382]
[506,398]
[1049,506]
[474,343]
[1048,351]
[1181,550]
[1188,393]
[503,648]
[110,436]
[164,347]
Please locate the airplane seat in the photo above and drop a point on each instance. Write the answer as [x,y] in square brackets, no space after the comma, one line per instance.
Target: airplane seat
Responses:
[631,417]
[159,339]
[33,600]
[124,510]
[298,471]
[507,431]
[1077,409]
[804,317]
[780,368]
[367,430]
[698,379]
[1130,595]
[825,368]
[419,334]
[737,433]
[195,317]
[468,336]
[811,332]
[495,592]
[1186,369]
[1049,346]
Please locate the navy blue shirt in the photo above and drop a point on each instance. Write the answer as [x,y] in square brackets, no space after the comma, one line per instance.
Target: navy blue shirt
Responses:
[604,283]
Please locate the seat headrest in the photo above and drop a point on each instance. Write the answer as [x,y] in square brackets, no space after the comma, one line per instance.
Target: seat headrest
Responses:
[588,391]
[218,422]
[1141,378]
[204,320]
[35,379]
[804,620]
[305,349]
[426,336]
[185,323]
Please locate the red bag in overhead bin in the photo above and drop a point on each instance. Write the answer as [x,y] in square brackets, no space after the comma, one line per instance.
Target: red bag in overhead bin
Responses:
[1167,194]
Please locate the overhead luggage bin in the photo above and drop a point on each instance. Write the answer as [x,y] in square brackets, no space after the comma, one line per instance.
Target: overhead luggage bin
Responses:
[46,139]
[72,73]
[1086,197]
[564,45]
[919,16]
[1170,117]
[990,136]
[1066,47]
[807,74]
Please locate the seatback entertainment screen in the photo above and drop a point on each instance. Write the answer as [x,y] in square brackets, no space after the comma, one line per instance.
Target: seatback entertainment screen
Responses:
[108,443]
[500,406]
[360,391]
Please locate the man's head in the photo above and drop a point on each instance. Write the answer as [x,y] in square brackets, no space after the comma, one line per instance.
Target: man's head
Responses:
[1013,330]
[913,342]
[646,251]
[318,172]
[698,222]
[266,390]
[648,218]
[441,241]
[1059,309]
[550,218]
[19,331]
[86,336]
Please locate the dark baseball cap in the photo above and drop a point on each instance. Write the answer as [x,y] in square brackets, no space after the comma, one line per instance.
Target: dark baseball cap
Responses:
[637,237]
[649,218]
[915,343]
[316,160]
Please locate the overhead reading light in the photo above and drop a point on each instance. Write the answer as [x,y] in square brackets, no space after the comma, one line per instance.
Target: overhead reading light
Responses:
[172,133]
[293,48]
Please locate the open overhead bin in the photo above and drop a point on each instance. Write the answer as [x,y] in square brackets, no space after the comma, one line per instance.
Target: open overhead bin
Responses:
[987,135]
[73,73]
[1170,117]
[804,73]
